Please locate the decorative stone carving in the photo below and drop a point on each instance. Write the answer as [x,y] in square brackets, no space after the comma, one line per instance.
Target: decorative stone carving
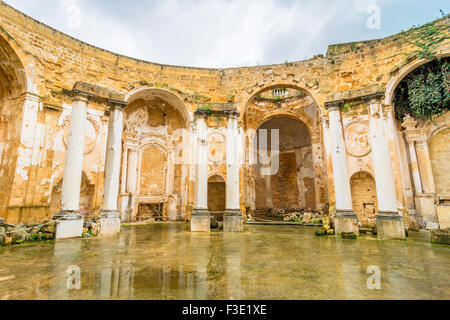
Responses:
[216,148]
[357,139]
[91,132]
[136,119]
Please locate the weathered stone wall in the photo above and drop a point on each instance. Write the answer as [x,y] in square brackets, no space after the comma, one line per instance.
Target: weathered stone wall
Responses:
[39,65]
[364,197]
[440,160]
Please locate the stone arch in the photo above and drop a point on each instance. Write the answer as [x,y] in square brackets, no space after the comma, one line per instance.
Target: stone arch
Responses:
[167,95]
[284,114]
[364,197]
[217,196]
[248,98]
[404,71]
[293,174]
[13,76]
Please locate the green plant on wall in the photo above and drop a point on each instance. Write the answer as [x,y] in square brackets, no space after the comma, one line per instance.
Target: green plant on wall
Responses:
[425,92]
[428,37]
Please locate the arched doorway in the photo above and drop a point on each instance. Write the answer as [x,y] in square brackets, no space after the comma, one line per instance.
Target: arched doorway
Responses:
[153,172]
[217,196]
[13,83]
[154,179]
[364,198]
[419,94]
[291,184]
[300,181]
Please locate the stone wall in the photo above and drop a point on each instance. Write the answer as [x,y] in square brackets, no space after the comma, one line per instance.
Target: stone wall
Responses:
[364,196]
[40,67]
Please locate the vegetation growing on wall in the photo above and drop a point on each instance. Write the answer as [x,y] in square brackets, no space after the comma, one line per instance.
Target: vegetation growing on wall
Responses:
[425,92]
[428,37]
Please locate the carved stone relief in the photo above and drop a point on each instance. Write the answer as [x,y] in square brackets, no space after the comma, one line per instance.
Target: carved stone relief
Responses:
[357,139]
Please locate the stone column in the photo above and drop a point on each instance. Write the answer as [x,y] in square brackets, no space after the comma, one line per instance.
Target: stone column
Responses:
[110,216]
[70,222]
[132,170]
[389,221]
[345,219]
[123,198]
[232,219]
[200,218]
[427,198]
[250,164]
[422,174]
[133,159]
[414,165]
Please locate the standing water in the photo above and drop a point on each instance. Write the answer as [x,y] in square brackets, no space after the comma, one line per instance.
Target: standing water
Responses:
[166,261]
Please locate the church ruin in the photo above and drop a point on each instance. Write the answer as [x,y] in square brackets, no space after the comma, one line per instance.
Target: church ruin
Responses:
[88,133]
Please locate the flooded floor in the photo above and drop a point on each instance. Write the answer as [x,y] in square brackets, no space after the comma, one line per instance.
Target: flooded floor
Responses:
[166,261]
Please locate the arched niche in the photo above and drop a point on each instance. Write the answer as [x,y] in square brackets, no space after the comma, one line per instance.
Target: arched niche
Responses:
[153,171]
[364,198]
[217,196]
[288,182]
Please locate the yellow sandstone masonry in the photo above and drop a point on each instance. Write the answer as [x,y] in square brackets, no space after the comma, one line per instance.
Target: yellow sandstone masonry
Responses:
[41,69]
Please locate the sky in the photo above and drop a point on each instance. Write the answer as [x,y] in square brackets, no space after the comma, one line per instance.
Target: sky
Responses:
[228,33]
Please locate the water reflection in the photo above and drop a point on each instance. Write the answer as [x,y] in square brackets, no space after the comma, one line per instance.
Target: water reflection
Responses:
[166,261]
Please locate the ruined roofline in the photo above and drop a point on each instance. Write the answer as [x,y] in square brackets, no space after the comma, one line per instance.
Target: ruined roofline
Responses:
[348,45]
[352,46]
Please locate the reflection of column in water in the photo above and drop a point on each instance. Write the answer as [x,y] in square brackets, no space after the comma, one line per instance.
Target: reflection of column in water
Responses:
[201,290]
[217,271]
[115,282]
[65,254]
[165,281]
[395,280]
[352,282]
[233,247]
[124,281]
[200,244]
[109,276]
[105,283]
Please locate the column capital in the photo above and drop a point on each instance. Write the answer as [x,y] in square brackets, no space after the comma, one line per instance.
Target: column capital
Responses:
[409,123]
[373,98]
[116,105]
[232,114]
[334,105]
[78,95]
[202,113]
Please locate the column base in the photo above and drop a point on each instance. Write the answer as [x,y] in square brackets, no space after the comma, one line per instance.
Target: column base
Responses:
[200,221]
[346,221]
[233,221]
[390,225]
[69,225]
[109,222]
